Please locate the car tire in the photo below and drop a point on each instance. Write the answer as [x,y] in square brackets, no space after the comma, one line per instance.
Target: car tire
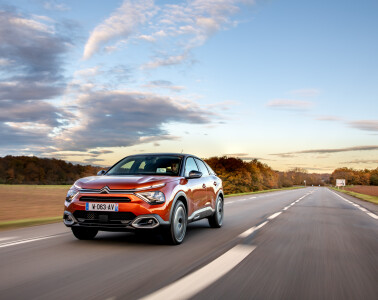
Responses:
[216,220]
[82,233]
[175,233]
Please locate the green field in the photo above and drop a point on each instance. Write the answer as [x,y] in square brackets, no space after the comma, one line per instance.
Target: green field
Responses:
[372,199]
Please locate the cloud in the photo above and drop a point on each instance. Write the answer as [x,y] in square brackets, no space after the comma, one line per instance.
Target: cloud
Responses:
[287,104]
[361,161]
[88,72]
[328,118]
[39,112]
[32,50]
[54,5]
[188,24]
[24,89]
[242,156]
[165,61]
[368,125]
[305,92]
[335,150]
[31,53]
[93,160]
[165,84]
[147,38]
[122,118]
[15,137]
[236,154]
[98,152]
[121,24]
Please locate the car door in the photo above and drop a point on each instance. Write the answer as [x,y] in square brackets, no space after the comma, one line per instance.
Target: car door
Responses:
[196,193]
[206,183]
[215,185]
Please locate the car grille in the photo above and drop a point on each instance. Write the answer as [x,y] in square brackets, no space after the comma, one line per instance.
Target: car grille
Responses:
[104,199]
[103,218]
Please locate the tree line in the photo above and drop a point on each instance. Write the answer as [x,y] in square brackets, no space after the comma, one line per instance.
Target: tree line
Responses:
[238,176]
[247,176]
[34,170]
[355,177]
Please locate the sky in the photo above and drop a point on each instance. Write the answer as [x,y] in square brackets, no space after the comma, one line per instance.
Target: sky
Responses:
[291,83]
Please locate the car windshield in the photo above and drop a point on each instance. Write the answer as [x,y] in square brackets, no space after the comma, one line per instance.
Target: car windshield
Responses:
[166,165]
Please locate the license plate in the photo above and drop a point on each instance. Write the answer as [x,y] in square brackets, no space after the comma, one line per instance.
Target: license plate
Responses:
[101,206]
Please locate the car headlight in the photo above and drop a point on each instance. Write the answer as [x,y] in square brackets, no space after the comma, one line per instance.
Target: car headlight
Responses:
[72,192]
[155,197]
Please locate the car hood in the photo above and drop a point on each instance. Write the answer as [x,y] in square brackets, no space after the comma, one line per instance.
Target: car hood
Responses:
[122,182]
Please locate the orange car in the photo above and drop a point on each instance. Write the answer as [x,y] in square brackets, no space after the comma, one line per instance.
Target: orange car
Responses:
[145,192]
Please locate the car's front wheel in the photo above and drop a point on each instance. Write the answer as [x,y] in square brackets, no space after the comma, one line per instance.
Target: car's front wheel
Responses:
[216,220]
[82,233]
[176,232]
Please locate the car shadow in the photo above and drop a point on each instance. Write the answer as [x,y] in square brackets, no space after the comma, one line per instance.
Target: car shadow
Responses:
[146,238]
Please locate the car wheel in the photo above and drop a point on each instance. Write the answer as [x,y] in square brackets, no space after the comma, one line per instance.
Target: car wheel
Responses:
[216,220]
[176,232]
[82,233]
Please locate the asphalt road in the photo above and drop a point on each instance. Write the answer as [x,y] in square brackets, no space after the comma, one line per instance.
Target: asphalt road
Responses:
[300,244]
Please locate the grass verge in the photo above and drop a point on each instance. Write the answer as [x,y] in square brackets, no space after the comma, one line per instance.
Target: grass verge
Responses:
[28,222]
[372,199]
[40,221]
[264,191]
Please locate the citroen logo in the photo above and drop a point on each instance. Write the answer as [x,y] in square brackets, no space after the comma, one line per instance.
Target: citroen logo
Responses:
[105,190]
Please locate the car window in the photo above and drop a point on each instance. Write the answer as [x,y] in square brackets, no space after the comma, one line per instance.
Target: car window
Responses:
[202,167]
[211,171]
[190,165]
[128,165]
[147,165]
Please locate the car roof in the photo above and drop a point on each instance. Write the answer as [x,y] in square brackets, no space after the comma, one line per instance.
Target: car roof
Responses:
[165,153]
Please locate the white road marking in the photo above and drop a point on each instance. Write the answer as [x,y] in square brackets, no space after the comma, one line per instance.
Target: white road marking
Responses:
[8,238]
[274,215]
[247,232]
[19,242]
[372,215]
[358,206]
[252,198]
[252,230]
[287,207]
[262,224]
[195,282]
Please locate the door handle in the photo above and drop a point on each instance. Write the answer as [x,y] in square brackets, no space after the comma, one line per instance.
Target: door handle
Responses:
[204,186]
[215,183]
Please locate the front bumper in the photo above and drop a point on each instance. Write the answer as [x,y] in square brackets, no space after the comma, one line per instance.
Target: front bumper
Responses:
[113,221]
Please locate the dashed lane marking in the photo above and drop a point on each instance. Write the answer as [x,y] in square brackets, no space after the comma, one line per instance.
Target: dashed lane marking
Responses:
[197,281]
[251,230]
[274,215]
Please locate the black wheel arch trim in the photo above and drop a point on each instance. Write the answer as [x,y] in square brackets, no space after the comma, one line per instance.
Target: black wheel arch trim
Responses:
[175,199]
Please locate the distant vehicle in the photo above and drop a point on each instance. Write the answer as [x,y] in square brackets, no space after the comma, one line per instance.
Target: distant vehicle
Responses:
[162,192]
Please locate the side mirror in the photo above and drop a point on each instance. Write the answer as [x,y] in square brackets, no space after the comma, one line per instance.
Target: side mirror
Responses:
[100,173]
[194,174]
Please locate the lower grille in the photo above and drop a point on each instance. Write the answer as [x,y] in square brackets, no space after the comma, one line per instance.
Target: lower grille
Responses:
[104,199]
[101,218]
